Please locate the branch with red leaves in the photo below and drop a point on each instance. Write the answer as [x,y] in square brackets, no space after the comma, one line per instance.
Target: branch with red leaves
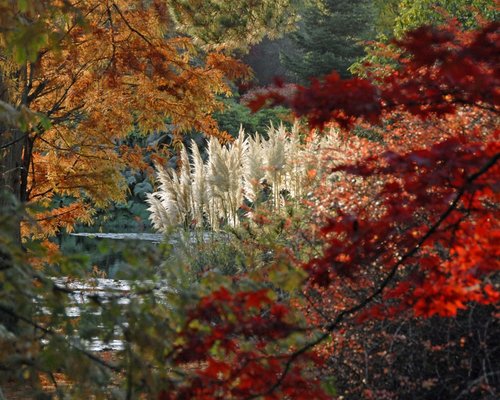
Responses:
[439,70]
[491,296]
[426,243]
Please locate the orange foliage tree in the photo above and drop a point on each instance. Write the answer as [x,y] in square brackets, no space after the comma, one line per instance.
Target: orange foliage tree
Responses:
[87,73]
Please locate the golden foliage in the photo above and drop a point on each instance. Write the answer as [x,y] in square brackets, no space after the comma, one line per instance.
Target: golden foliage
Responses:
[95,80]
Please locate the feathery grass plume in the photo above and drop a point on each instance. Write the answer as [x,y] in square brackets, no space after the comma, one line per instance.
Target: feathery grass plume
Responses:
[172,196]
[264,172]
[253,168]
[184,194]
[211,171]
[167,193]
[240,145]
[199,199]
[159,217]
[235,155]
[294,168]
[274,162]
[224,177]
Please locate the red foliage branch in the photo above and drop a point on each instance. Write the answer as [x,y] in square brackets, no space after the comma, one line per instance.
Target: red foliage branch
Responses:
[432,199]
[232,340]
[426,243]
[439,69]
[450,291]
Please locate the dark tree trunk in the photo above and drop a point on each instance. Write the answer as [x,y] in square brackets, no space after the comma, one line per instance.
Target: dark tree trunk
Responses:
[13,174]
[12,143]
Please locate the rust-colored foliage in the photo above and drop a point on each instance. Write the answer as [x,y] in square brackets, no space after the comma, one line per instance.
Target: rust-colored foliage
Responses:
[439,70]
[410,226]
[234,341]
[103,69]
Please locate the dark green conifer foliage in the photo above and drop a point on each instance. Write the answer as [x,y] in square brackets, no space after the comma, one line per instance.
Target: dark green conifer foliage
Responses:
[330,37]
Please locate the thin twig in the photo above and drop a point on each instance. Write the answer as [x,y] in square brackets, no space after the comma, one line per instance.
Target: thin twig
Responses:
[140,34]
[12,142]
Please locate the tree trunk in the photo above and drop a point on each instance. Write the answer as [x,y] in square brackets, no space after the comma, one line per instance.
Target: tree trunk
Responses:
[12,142]
[12,174]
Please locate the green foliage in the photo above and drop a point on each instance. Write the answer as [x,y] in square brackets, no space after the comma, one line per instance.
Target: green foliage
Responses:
[33,334]
[129,216]
[368,132]
[330,37]
[233,25]
[386,12]
[395,17]
[261,251]
[27,40]
[236,116]
[412,14]
[48,329]
[221,253]
[27,29]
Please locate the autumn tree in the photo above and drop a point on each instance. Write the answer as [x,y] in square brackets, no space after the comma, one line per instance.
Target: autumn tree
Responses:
[403,231]
[90,72]
[409,227]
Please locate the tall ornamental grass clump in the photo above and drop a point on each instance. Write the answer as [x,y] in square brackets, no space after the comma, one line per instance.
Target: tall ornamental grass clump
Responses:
[256,172]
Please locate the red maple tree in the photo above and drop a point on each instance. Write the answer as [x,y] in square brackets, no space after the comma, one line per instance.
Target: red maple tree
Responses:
[411,228]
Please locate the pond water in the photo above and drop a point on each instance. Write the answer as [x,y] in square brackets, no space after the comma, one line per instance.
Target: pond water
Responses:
[106,255]
[83,291]
[107,252]
[142,236]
